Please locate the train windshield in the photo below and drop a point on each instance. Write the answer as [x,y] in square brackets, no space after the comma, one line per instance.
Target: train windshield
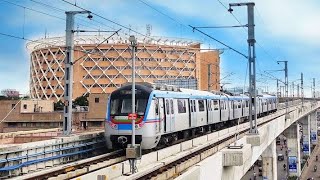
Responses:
[122,107]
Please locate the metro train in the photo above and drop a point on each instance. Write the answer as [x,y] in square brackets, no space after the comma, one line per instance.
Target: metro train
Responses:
[166,114]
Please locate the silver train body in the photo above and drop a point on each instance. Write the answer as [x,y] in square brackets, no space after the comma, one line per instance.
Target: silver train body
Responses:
[169,115]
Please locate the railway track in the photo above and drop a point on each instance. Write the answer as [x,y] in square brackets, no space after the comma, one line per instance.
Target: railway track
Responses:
[174,167]
[86,166]
[78,168]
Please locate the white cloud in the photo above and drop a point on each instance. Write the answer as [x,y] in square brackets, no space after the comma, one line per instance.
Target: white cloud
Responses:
[293,20]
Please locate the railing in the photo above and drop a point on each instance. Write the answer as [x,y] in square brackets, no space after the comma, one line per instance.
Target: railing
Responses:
[53,152]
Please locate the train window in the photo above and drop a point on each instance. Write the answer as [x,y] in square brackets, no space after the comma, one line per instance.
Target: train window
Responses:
[215,105]
[247,103]
[194,106]
[182,106]
[126,106]
[141,106]
[114,106]
[156,108]
[239,104]
[191,105]
[221,104]
[171,103]
[201,105]
[167,106]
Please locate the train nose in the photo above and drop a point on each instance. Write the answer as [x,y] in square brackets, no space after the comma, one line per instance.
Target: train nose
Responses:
[122,139]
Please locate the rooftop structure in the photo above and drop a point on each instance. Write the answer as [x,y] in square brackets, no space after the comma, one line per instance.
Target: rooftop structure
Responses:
[104,68]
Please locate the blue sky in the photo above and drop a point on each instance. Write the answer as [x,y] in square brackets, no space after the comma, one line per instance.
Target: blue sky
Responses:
[285,30]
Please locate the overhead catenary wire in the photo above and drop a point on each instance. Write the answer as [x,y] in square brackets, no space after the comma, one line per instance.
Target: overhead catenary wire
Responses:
[231,48]
[125,27]
[194,28]
[148,36]
[93,49]
[262,48]
[84,19]
[36,41]
[40,12]
[209,27]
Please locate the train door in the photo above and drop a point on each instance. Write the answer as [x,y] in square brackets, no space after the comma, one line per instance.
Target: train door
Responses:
[160,108]
[193,113]
[167,126]
[215,111]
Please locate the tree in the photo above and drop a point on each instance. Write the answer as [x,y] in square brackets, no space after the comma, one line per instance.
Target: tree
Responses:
[81,101]
[58,106]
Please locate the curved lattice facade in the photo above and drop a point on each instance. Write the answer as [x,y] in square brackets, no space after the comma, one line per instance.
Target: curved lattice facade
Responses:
[108,66]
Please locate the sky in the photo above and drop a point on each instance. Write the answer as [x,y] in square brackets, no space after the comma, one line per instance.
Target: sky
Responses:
[285,30]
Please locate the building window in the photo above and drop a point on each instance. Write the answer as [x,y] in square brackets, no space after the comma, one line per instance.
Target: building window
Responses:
[13,105]
[24,106]
[96,100]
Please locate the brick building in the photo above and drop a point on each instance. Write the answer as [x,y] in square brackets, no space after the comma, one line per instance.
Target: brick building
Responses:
[108,66]
[40,114]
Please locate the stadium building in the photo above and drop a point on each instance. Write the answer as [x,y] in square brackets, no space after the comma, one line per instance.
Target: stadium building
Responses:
[104,68]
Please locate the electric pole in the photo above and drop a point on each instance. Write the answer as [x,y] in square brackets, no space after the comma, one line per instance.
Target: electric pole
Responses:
[133,151]
[209,77]
[68,86]
[302,93]
[286,85]
[314,88]
[252,64]
[278,94]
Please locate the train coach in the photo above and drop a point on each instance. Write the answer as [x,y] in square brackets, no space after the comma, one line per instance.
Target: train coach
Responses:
[166,114]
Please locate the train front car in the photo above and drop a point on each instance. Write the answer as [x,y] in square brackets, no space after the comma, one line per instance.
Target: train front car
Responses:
[118,127]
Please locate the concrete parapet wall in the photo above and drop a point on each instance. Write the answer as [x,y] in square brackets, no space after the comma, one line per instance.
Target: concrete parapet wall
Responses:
[20,159]
[267,134]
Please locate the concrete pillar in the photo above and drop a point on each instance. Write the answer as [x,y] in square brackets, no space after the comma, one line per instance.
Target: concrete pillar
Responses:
[306,135]
[293,143]
[269,162]
[313,121]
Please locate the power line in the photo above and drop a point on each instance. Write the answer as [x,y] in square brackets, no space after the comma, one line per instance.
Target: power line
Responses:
[49,44]
[33,9]
[231,48]
[193,28]
[163,13]
[84,19]
[128,28]
[208,27]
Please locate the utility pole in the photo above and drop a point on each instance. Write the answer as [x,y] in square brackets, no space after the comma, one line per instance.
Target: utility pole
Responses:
[292,89]
[68,86]
[133,151]
[298,90]
[209,77]
[314,88]
[302,93]
[286,85]
[252,64]
[278,94]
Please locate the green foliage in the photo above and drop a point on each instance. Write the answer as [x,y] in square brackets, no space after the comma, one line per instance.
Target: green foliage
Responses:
[292,178]
[58,106]
[81,101]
